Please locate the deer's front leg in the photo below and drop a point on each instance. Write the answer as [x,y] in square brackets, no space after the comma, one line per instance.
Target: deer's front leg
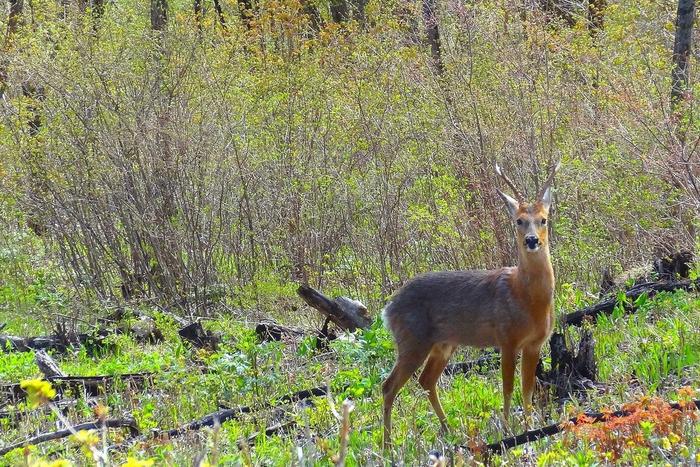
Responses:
[508,356]
[531,355]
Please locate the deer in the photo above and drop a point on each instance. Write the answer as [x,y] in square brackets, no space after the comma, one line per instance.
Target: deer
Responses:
[510,308]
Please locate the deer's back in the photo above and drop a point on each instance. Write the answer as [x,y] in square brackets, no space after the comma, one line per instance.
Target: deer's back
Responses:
[461,307]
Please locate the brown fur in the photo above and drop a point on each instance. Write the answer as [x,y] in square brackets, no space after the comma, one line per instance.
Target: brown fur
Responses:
[510,308]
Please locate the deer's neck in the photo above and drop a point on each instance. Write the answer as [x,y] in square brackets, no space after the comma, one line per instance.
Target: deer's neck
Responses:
[534,280]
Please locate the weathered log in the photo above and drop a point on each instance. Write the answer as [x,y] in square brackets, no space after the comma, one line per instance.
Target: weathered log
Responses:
[47,365]
[608,305]
[129,423]
[92,386]
[225,414]
[345,312]
[487,361]
[269,331]
[196,335]
[57,342]
[144,329]
[674,266]
[13,417]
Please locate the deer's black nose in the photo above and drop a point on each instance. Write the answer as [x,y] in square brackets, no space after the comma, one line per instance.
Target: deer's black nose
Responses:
[531,241]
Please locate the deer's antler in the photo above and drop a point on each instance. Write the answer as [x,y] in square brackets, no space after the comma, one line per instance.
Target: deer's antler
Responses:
[549,180]
[512,186]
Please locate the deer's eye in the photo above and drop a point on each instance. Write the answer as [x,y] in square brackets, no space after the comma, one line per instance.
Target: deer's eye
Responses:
[520,222]
[544,221]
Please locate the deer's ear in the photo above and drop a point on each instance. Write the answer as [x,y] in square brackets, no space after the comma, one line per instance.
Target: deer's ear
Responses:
[511,203]
[547,199]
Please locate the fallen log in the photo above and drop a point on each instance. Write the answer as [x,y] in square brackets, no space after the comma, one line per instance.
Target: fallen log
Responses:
[273,430]
[47,365]
[608,305]
[346,313]
[269,331]
[199,337]
[549,430]
[92,386]
[487,361]
[224,415]
[13,417]
[143,329]
[57,342]
[302,395]
[129,423]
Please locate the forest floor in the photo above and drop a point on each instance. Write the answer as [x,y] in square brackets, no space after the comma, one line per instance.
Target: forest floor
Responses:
[651,353]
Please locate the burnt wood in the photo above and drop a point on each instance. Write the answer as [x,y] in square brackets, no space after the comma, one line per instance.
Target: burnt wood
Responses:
[128,423]
[487,361]
[48,365]
[199,337]
[608,305]
[92,386]
[549,430]
[269,331]
[346,313]
[57,342]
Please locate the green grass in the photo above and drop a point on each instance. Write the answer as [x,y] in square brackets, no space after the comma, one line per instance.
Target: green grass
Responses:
[652,352]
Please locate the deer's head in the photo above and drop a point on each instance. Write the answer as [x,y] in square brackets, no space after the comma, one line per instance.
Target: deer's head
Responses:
[530,218]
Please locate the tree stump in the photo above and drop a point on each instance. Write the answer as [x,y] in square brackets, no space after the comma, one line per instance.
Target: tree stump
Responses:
[571,372]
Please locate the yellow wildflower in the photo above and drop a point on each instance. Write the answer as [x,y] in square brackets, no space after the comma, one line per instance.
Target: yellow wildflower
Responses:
[101,412]
[132,462]
[38,391]
[673,438]
[665,443]
[86,438]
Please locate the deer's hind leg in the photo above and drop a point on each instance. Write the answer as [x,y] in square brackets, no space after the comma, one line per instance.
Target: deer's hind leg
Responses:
[439,356]
[410,358]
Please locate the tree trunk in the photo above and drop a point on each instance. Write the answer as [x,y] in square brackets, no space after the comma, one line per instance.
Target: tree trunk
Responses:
[13,21]
[314,16]
[358,10]
[346,313]
[245,8]
[197,6]
[685,16]
[596,16]
[431,26]
[159,14]
[220,13]
[339,11]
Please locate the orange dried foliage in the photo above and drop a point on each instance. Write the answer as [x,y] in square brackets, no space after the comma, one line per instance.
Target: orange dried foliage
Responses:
[615,434]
